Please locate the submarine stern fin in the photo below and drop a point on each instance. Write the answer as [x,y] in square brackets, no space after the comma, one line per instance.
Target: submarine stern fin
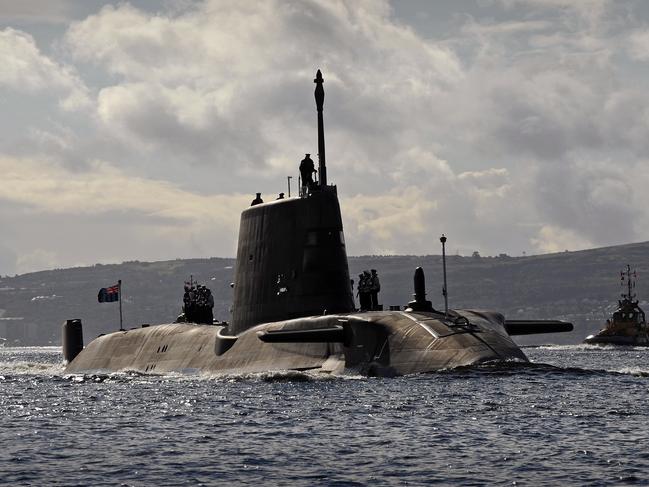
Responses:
[534,327]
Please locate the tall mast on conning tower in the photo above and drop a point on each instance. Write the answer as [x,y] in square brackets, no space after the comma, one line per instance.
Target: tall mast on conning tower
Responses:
[319,101]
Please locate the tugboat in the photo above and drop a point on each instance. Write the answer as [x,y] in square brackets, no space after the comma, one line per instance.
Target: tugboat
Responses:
[294,308]
[628,325]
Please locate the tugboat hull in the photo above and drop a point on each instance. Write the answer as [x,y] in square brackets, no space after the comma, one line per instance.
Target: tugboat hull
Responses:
[632,341]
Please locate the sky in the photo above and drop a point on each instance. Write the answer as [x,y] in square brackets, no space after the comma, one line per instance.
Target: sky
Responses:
[140,130]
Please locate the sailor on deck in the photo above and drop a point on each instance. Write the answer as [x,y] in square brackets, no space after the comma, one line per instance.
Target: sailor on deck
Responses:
[375,287]
[307,168]
[257,200]
[364,291]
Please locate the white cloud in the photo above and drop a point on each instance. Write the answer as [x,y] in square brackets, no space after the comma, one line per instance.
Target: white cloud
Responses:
[45,187]
[555,239]
[506,28]
[216,41]
[36,260]
[638,45]
[134,216]
[217,81]
[502,133]
[24,68]
[383,223]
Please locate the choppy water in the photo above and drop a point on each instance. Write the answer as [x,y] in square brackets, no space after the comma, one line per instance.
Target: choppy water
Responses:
[581,419]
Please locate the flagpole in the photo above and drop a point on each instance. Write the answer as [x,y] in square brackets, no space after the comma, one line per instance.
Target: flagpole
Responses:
[119,284]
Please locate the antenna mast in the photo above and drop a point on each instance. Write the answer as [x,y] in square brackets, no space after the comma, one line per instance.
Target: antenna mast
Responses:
[319,101]
[626,275]
[444,289]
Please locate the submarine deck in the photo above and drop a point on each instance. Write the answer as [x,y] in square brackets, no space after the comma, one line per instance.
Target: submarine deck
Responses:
[376,343]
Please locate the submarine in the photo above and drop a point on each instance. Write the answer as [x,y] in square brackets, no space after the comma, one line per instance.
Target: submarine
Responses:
[293,309]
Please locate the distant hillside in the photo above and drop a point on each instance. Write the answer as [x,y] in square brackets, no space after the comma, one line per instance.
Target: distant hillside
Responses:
[578,286]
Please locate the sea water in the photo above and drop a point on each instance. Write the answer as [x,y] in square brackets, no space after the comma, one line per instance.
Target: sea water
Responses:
[577,415]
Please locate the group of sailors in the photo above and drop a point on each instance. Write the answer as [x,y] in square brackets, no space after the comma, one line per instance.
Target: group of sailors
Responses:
[198,303]
[258,199]
[368,290]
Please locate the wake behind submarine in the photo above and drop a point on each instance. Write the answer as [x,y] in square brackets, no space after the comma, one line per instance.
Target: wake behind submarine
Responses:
[294,309]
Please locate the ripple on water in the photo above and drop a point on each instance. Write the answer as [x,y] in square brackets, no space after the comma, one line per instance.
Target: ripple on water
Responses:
[570,417]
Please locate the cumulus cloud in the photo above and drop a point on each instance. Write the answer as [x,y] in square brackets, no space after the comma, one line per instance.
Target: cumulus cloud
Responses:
[134,212]
[25,68]
[557,239]
[36,260]
[218,81]
[379,222]
[638,46]
[522,130]
[45,187]
[472,206]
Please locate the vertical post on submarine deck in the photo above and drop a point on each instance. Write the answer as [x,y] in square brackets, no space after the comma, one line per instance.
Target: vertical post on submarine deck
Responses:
[319,100]
[445,288]
[288,179]
[121,324]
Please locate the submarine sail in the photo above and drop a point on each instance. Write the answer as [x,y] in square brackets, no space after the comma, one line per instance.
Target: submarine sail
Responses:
[291,261]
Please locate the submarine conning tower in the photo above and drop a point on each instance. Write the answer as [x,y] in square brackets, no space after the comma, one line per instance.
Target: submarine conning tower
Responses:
[291,256]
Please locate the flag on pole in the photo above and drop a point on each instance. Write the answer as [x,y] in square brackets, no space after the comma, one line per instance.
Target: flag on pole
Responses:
[108,294]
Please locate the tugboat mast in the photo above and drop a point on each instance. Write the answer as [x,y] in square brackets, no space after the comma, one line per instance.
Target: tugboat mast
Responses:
[626,275]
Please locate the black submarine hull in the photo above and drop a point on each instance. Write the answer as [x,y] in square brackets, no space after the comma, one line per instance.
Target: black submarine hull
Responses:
[387,343]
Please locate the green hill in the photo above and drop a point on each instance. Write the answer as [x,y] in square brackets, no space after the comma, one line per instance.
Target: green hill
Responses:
[581,287]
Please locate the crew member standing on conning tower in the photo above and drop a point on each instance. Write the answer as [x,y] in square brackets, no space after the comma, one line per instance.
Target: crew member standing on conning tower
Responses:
[364,291]
[209,314]
[375,287]
[307,168]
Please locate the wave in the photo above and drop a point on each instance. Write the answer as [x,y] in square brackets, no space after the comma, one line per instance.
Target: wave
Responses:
[230,377]
[282,376]
[23,350]
[584,346]
[47,362]
[635,371]
[43,361]
[30,368]
[537,369]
